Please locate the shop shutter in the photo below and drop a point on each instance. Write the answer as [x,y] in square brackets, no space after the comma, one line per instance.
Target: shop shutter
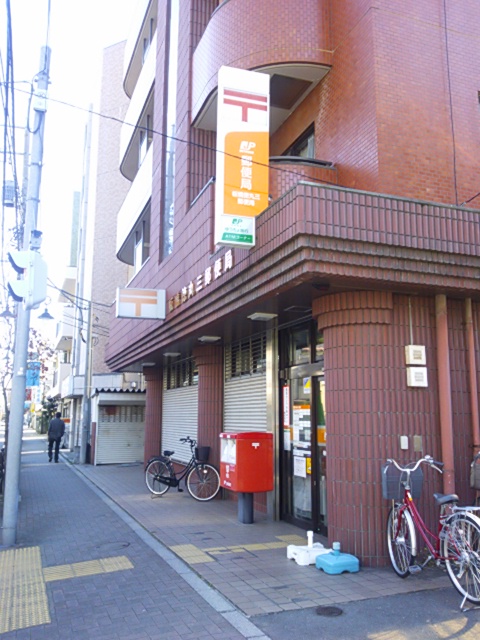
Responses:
[245,407]
[120,434]
[179,420]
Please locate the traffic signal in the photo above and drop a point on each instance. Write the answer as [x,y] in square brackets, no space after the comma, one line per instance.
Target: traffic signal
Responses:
[32,289]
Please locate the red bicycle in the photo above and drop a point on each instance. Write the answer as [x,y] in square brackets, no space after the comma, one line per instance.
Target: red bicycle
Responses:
[456,545]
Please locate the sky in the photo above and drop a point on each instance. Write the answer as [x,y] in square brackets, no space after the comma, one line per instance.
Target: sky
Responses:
[77,34]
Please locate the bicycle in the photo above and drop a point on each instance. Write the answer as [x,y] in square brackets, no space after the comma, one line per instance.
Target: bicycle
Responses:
[457,543]
[475,477]
[201,479]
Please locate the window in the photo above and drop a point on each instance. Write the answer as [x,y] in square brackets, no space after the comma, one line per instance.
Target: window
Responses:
[304,146]
[181,373]
[170,128]
[141,249]
[147,41]
[303,344]
[246,357]
[145,139]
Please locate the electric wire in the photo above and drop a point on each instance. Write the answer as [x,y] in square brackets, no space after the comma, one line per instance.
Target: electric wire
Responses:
[190,143]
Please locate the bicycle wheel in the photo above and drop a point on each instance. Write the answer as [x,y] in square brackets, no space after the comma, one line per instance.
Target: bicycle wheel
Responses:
[461,550]
[154,470]
[203,482]
[401,540]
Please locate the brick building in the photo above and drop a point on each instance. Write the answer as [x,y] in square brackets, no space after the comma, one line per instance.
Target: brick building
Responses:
[369,244]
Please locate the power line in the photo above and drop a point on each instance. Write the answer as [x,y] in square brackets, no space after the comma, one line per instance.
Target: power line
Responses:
[214,149]
[149,130]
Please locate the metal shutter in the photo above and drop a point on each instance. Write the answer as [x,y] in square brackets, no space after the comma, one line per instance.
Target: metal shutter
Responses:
[120,434]
[245,404]
[179,419]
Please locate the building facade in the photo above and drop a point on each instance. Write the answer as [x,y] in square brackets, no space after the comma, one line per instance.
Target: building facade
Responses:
[350,330]
[104,410]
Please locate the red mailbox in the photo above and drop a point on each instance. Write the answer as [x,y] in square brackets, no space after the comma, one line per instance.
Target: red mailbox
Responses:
[246,461]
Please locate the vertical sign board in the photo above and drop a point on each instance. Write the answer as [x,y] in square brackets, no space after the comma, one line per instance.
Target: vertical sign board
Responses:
[241,190]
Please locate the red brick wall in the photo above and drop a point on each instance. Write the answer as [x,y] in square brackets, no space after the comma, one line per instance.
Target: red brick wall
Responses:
[401,90]
[153,413]
[369,406]
[209,360]
[249,34]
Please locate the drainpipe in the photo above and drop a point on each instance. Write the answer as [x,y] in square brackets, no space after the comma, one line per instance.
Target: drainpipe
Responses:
[472,374]
[445,393]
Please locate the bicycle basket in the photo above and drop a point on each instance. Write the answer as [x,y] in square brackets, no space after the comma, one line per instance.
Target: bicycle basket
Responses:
[475,473]
[393,479]
[202,453]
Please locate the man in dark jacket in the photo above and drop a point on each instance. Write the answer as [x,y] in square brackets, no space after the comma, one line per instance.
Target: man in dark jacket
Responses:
[56,430]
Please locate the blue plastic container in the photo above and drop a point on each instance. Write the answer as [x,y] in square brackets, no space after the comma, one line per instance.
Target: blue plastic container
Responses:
[336,562]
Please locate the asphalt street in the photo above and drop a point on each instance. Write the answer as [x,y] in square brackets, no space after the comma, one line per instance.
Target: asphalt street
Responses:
[425,615]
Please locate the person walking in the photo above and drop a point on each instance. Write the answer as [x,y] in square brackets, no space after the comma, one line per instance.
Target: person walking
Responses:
[56,430]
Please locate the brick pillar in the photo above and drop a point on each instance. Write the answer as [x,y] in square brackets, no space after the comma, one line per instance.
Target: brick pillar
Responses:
[209,360]
[358,359]
[153,412]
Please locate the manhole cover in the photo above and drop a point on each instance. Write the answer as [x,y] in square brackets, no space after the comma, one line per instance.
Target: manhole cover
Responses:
[329,611]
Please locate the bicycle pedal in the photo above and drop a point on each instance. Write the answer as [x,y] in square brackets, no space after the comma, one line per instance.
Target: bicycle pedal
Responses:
[414,568]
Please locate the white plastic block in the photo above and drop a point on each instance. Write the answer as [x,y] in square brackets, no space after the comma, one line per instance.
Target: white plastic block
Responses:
[305,555]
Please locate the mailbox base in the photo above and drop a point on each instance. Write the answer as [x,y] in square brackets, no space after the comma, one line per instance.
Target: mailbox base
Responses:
[245,508]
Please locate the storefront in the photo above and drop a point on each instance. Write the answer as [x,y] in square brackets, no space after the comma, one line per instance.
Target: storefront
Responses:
[302,428]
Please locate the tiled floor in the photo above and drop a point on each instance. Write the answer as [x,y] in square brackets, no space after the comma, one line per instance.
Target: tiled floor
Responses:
[246,563]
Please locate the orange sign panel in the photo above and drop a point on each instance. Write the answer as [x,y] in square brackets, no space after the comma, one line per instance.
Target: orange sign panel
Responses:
[246,173]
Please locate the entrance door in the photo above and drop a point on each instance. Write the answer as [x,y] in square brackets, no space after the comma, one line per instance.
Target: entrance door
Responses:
[304,474]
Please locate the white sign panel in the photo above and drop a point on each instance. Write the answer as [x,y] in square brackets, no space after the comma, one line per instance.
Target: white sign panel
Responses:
[141,303]
[241,187]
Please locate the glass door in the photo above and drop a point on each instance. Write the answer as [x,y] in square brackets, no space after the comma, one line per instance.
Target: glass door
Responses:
[304,475]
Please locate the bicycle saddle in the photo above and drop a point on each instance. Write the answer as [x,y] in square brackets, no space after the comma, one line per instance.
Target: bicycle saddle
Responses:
[168,453]
[440,498]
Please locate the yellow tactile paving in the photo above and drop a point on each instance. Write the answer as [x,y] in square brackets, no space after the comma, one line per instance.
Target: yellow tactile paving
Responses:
[293,539]
[194,555]
[191,554]
[23,597]
[89,568]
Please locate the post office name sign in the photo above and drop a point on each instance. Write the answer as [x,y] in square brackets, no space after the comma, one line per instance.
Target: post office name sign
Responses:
[241,188]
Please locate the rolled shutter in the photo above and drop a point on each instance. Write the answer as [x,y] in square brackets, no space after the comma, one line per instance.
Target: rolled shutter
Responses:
[245,404]
[120,434]
[179,419]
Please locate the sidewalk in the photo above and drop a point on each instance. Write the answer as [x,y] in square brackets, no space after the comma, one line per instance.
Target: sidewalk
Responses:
[106,560]
[247,563]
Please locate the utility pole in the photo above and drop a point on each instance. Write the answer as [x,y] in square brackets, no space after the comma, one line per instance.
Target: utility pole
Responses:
[81,294]
[87,381]
[22,329]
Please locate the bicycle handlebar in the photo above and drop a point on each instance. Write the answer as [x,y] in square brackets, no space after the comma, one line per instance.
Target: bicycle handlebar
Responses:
[190,440]
[427,459]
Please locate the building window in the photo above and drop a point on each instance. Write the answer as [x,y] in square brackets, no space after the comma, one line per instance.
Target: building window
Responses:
[170,128]
[181,373]
[246,357]
[141,249]
[304,146]
[145,139]
[147,41]
[302,344]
